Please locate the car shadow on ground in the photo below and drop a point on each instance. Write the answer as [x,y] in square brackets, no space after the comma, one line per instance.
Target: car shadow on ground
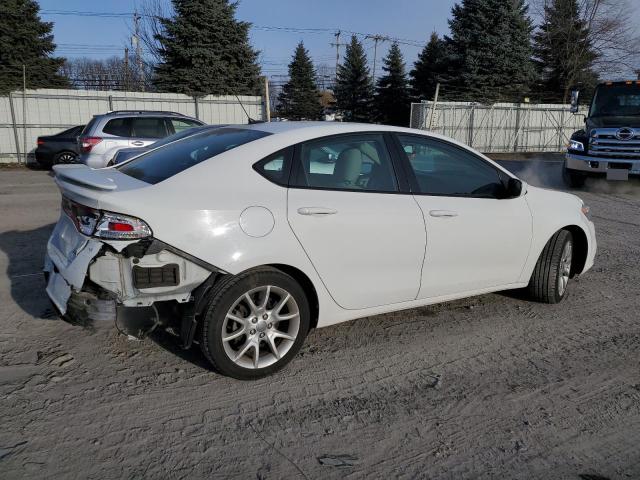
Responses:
[172,344]
[25,251]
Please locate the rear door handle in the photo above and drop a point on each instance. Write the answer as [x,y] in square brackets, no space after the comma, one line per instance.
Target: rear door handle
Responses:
[443,213]
[137,143]
[316,211]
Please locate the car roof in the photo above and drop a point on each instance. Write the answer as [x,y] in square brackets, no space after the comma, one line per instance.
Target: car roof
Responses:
[145,113]
[311,129]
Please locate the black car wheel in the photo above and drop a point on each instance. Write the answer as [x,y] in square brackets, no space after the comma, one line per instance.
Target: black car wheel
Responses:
[64,157]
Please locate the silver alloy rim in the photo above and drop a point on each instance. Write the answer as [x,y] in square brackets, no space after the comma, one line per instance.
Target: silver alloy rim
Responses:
[565,267]
[260,327]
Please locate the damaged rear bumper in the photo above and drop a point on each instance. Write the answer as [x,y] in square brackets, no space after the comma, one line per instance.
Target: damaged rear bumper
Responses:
[125,282]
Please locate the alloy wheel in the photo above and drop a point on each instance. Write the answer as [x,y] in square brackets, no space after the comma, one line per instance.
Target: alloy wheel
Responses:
[260,327]
[564,270]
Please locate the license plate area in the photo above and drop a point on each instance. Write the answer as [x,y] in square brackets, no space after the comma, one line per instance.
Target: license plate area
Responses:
[618,174]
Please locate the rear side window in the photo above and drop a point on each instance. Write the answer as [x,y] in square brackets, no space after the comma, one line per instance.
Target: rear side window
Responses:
[87,130]
[148,127]
[182,124]
[276,167]
[171,159]
[119,127]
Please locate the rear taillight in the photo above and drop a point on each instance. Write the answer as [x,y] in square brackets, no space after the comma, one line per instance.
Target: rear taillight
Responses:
[107,225]
[40,141]
[114,226]
[87,143]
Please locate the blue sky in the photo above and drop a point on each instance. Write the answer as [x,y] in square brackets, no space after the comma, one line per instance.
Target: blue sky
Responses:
[407,19]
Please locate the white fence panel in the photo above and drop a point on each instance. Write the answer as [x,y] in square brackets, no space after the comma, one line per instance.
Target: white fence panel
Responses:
[501,127]
[50,110]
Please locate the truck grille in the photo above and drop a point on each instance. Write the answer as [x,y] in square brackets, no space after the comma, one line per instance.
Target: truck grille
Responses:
[604,143]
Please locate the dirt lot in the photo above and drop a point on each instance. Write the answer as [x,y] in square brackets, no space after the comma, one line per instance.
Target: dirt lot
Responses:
[490,387]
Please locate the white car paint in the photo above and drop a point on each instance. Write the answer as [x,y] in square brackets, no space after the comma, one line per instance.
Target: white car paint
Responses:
[377,253]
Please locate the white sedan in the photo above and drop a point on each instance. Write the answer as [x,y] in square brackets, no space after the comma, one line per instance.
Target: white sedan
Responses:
[245,237]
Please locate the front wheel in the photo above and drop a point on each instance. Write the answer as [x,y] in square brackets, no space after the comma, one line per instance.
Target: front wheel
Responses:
[255,323]
[573,179]
[552,272]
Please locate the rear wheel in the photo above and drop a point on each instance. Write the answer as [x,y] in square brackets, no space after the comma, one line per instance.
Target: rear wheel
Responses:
[552,272]
[573,179]
[255,323]
[64,157]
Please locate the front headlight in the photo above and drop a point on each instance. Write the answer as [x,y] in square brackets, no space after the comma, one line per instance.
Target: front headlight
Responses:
[576,145]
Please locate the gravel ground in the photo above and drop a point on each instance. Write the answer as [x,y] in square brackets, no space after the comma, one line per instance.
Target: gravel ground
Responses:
[489,387]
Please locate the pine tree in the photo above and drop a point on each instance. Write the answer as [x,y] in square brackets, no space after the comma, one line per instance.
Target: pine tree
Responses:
[354,88]
[26,40]
[392,103]
[300,98]
[491,51]
[430,68]
[205,50]
[563,52]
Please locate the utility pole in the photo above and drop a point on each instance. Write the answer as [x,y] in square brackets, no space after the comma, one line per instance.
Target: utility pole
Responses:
[267,100]
[126,68]
[376,39]
[433,105]
[337,45]
[136,41]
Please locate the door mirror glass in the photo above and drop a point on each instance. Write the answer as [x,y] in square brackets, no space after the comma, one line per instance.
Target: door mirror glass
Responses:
[513,188]
[575,95]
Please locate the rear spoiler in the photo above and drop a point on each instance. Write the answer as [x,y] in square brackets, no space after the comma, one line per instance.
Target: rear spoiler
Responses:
[84,176]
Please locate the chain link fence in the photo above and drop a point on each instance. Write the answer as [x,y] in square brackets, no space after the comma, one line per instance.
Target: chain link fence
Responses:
[24,117]
[501,127]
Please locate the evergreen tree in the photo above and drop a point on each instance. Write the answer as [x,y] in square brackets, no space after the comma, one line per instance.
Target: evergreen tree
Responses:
[392,102]
[205,50]
[300,98]
[491,49]
[354,88]
[26,40]
[429,69]
[563,52]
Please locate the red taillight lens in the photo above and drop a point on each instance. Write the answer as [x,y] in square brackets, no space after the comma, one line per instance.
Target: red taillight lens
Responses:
[87,143]
[120,227]
[40,141]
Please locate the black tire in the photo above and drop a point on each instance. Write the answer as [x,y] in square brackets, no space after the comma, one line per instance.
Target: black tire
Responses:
[64,158]
[545,283]
[223,297]
[573,179]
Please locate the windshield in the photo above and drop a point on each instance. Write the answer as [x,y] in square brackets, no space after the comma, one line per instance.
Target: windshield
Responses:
[616,100]
[171,159]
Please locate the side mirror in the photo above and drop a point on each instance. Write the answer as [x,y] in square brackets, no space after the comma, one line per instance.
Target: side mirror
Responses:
[575,95]
[513,188]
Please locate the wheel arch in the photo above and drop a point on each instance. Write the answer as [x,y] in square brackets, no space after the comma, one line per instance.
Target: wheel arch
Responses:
[580,248]
[306,284]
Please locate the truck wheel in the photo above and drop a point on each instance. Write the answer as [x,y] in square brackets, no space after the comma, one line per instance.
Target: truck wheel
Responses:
[255,323]
[573,179]
[548,283]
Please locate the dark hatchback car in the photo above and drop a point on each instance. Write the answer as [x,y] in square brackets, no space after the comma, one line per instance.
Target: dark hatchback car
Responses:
[58,148]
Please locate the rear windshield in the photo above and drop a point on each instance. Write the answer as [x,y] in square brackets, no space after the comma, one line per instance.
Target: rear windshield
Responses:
[165,162]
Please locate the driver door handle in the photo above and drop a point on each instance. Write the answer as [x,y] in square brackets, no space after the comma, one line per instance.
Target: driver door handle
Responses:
[316,211]
[443,213]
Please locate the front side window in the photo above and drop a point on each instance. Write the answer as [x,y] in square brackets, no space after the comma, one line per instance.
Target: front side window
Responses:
[444,169]
[346,162]
[158,165]
[146,127]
